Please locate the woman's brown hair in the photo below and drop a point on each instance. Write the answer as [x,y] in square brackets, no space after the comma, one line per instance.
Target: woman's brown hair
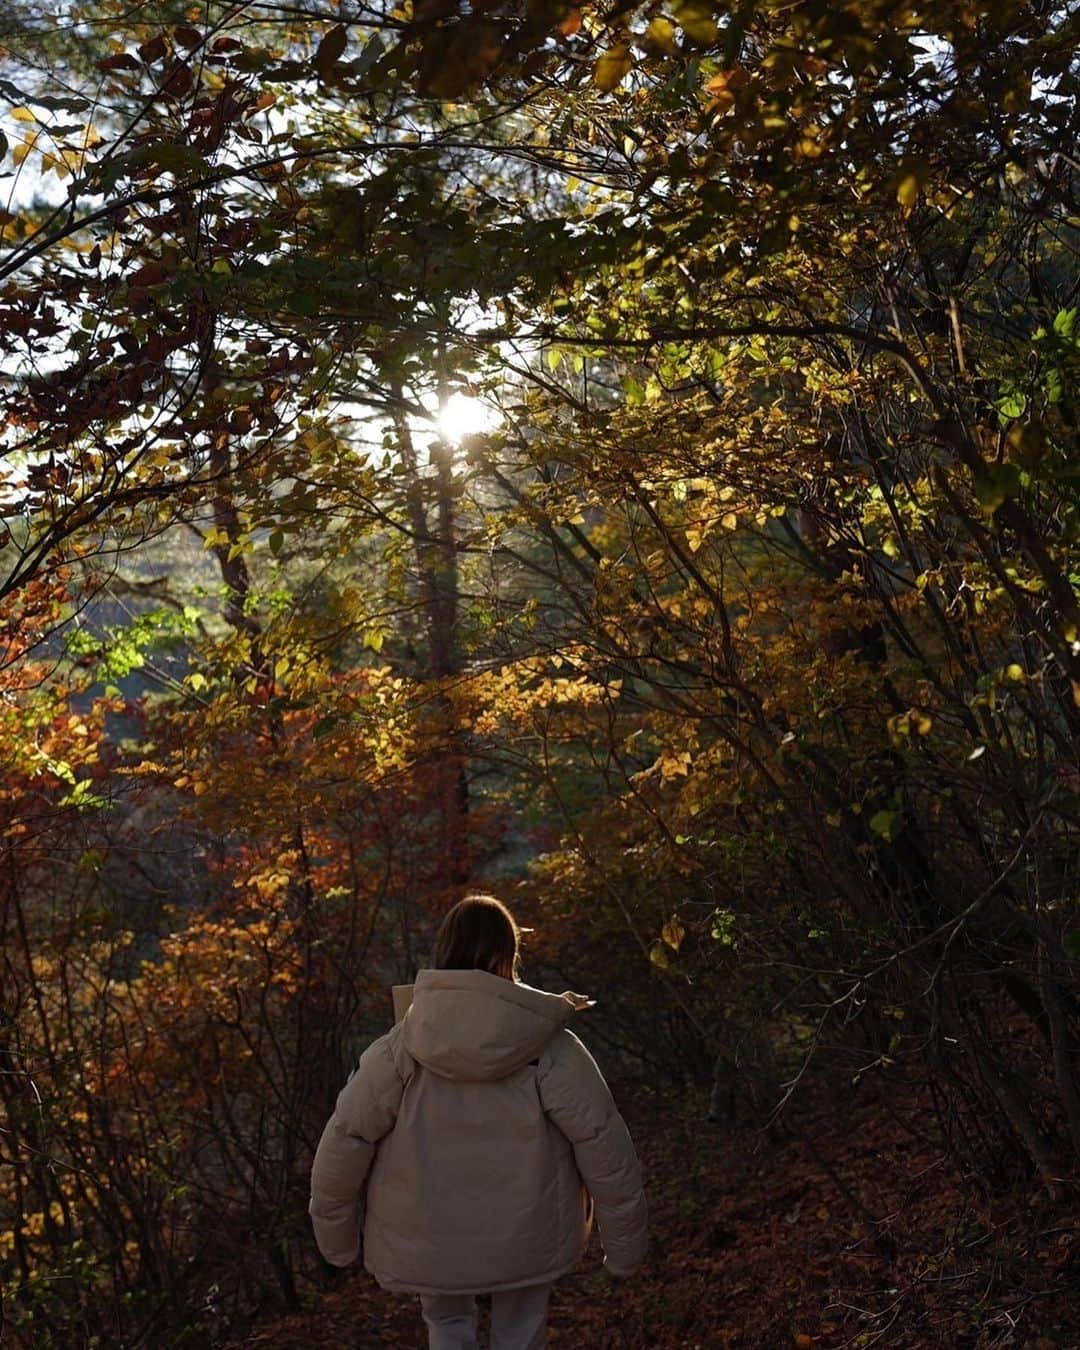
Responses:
[479,933]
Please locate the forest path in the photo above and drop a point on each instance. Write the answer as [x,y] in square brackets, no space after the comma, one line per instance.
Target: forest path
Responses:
[766,1242]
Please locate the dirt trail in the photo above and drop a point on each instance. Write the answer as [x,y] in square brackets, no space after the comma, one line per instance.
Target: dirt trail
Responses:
[864,1237]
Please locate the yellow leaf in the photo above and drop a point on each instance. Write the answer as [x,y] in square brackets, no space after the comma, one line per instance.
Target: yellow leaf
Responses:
[673,933]
[673,765]
[658,955]
[23,115]
[612,67]
[907,194]
[661,33]
[697,22]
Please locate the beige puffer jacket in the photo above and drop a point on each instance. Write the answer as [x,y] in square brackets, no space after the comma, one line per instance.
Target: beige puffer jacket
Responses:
[481,1126]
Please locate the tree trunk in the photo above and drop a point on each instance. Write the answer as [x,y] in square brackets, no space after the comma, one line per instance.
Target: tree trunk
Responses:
[435,550]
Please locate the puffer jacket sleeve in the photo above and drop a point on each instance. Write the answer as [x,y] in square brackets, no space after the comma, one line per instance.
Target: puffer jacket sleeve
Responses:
[579,1102]
[366,1110]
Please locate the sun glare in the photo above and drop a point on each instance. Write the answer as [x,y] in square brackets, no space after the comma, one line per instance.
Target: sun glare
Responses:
[462,415]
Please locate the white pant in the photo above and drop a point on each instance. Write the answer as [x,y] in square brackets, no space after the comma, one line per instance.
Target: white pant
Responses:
[518,1319]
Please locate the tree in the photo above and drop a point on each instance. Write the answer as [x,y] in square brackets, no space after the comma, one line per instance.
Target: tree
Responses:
[755,617]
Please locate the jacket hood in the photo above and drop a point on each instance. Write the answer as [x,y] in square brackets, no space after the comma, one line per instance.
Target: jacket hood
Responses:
[473,1026]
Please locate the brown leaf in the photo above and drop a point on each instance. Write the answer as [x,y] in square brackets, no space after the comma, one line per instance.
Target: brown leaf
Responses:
[178,79]
[121,61]
[153,50]
[149,274]
[329,50]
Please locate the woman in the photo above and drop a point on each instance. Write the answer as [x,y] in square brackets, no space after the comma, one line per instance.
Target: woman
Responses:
[482,1127]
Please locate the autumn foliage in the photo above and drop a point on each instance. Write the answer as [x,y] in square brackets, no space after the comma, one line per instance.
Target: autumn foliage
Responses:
[737,643]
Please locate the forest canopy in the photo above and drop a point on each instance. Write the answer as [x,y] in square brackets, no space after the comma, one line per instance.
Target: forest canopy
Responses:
[620,455]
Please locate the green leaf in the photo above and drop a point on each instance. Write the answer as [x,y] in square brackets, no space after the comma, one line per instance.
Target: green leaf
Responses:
[723,927]
[1011,403]
[1065,323]
[887,824]
[83,797]
[61,768]
[1072,945]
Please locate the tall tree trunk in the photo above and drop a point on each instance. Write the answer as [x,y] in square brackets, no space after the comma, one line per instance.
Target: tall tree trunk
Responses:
[435,548]
[234,570]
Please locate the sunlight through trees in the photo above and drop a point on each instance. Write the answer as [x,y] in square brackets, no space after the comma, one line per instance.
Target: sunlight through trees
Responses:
[625,455]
